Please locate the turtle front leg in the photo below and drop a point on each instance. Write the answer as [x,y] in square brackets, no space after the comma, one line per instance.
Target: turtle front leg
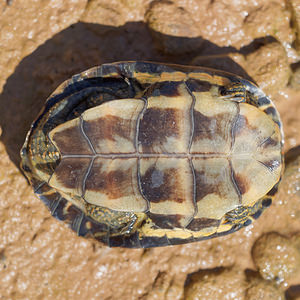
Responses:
[236,91]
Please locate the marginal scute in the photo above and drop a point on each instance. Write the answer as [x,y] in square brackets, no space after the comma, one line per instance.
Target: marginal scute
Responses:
[201,223]
[167,89]
[210,77]
[198,86]
[168,221]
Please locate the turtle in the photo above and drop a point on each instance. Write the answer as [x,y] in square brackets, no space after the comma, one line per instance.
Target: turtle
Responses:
[140,154]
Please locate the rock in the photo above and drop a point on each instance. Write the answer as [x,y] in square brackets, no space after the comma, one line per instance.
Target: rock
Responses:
[206,284]
[170,35]
[260,289]
[275,257]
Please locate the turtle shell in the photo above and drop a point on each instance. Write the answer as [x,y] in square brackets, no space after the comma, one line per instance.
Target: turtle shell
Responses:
[139,154]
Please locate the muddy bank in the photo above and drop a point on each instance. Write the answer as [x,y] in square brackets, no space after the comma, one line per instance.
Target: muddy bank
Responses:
[42,44]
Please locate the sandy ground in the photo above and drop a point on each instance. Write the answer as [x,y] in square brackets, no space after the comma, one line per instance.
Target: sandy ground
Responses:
[43,43]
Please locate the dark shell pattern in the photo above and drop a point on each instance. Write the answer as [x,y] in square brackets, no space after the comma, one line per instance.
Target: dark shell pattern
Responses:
[139,154]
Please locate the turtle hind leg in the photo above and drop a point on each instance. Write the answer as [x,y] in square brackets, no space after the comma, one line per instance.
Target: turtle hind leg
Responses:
[244,215]
[117,222]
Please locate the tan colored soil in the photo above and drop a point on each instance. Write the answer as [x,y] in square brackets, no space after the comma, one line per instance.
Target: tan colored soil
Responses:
[43,43]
